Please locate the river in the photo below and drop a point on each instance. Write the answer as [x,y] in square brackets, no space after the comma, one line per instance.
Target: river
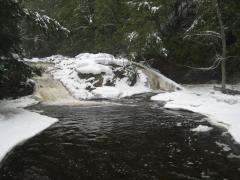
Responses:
[129,139]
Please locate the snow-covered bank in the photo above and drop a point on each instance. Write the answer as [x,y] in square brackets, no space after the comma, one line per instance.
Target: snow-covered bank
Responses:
[89,76]
[221,109]
[18,124]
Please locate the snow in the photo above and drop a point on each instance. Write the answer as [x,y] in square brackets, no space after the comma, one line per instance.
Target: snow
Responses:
[224,147]
[131,36]
[145,4]
[67,71]
[122,89]
[221,109]
[44,21]
[18,124]
[106,92]
[194,24]
[93,68]
[202,128]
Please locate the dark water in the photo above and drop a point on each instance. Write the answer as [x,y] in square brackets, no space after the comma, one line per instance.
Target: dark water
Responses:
[138,140]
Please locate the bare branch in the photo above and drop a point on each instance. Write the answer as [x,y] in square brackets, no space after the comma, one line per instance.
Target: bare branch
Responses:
[206,33]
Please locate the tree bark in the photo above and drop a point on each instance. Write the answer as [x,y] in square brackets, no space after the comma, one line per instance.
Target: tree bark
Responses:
[224,46]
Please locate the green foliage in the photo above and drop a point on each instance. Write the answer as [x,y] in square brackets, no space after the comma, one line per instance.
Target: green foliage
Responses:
[143,36]
[109,18]
[142,30]
[14,74]
[10,15]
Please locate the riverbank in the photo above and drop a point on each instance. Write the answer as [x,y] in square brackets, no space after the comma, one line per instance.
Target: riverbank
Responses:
[221,109]
[18,124]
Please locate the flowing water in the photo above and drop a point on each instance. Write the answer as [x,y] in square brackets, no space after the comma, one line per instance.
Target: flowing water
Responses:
[130,139]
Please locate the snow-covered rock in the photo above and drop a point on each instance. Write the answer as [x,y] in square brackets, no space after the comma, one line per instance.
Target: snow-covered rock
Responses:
[89,76]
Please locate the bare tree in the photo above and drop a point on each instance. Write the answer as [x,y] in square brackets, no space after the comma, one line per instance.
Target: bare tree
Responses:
[220,36]
[224,46]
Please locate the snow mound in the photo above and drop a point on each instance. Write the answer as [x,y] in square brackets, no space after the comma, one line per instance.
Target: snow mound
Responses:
[221,109]
[202,128]
[17,124]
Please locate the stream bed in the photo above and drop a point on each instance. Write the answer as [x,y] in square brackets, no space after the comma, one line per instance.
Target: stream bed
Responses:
[129,139]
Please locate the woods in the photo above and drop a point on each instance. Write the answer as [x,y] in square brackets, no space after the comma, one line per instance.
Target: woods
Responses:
[147,31]
[119,89]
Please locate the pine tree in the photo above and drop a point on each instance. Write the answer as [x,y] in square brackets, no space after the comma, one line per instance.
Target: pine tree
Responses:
[109,18]
[143,34]
[10,15]
[13,72]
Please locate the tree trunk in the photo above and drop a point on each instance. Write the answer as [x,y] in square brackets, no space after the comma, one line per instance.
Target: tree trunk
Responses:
[224,46]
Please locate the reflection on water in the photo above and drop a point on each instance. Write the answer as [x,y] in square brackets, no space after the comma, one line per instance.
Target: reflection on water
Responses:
[136,140]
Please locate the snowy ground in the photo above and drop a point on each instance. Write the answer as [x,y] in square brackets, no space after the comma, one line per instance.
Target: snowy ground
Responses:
[66,70]
[221,109]
[18,124]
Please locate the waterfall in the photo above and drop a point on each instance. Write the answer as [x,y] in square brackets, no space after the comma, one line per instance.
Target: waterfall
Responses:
[157,81]
[49,90]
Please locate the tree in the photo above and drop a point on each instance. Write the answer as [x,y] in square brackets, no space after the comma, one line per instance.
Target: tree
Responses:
[143,36]
[224,45]
[14,73]
[10,15]
[219,25]
[109,19]
[76,15]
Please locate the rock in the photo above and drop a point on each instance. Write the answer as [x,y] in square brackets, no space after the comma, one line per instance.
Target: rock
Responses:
[95,79]
[14,77]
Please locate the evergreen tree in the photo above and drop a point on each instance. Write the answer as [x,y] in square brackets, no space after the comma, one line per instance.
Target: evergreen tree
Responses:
[144,30]
[143,35]
[14,74]
[10,14]
[109,19]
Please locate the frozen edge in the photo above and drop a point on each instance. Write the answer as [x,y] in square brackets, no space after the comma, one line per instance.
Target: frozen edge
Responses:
[214,105]
[18,125]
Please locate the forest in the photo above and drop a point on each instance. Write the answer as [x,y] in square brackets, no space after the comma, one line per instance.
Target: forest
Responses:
[119,89]
[179,38]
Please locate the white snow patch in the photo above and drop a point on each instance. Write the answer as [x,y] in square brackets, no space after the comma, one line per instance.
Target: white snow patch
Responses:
[202,128]
[106,92]
[18,124]
[221,109]
[225,147]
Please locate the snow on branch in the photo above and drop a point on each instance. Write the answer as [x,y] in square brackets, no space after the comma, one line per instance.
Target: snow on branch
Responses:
[145,4]
[46,23]
[216,63]
[205,33]
[194,24]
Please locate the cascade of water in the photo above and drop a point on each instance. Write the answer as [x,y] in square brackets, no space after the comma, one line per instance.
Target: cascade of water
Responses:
[157,81]
[50,90]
